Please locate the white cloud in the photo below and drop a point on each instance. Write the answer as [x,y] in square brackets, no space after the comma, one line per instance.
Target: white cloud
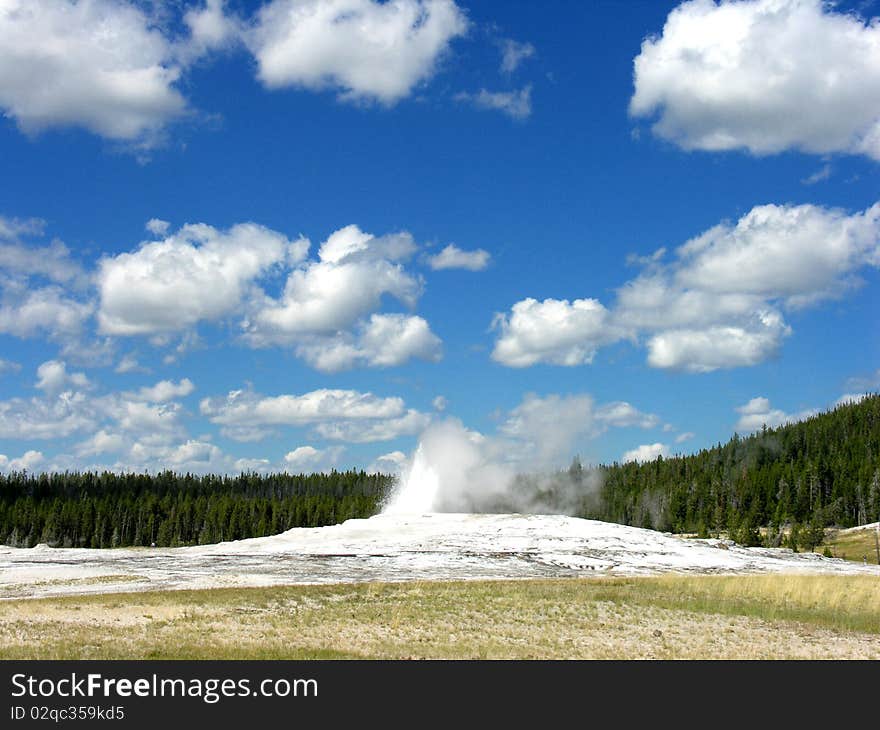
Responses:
[51,262]
[198,273]
[515,104]
[157,226]
[798,253]
[391,463]
[864,383]
[713,348]
[52,377]
[309,459]
[246,465]
[102,442]
[165,390]
[717,303]
[362,431]
[48,310]
[849,399]
[327,309]
[96,64]
[820,175]
[452,257]
[385,340]
[27,461]
[553,331]
[193,452]
[13,228]
[513,53]
[762,75]
[758,413]
[244,407]
[439,403]
[621,414]
[354,271]
[645,453]
[46,418]
[686,436]
[340,415]
[8,366]
[129,364]
[366,50]
[160,420]
[210,27]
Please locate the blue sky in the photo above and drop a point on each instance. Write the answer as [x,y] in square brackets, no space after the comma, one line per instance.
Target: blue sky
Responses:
[368,217]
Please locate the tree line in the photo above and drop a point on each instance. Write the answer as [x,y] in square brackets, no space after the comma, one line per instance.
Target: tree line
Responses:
[793,480]
[101,510]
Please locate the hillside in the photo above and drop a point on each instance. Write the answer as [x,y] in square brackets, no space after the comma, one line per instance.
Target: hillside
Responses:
[815,473]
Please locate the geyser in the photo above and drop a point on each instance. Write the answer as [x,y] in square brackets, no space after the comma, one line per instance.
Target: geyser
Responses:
[418,488]
[458,470]
[452,470]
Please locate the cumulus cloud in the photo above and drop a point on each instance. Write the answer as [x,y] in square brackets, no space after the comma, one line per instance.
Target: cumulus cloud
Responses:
[713,348]
[129,364]
[758,413]
[554,331]
[46,418]
[513,53]
[363,431]
[46,310]
[52,377]
[211,27]
[452,257]
[764,76]
[346,415]
[310,459]
[645,453]
[96,64]
[385,340]
[52,262]
[391,463]
[165,390]
[40,286]
[515,104]
[717,304]
[157,226]
[102,442]
[199,273]
[353,271]
[621,414]
[366,50]
[327,311]
[26,462]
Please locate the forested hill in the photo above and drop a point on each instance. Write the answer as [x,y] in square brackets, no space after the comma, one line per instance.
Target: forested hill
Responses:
[821,471]
[168,509]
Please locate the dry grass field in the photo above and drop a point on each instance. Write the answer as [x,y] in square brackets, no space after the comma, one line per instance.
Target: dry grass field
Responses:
[668,617]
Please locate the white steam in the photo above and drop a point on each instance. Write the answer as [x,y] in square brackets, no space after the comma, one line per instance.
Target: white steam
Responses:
[458,470]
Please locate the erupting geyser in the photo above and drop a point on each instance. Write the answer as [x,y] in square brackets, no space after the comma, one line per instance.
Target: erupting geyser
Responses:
[418,488]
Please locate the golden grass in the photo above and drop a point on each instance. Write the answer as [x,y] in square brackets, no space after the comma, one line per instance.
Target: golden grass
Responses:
[674,616]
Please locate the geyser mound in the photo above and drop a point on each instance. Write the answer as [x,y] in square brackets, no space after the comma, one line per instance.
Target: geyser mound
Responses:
[400,548]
